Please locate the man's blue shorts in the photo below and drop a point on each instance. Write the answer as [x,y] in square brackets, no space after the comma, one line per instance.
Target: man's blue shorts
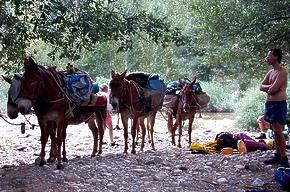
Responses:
[276,112]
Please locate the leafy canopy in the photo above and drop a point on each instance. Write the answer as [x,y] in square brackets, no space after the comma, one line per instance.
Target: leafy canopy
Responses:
[72,26]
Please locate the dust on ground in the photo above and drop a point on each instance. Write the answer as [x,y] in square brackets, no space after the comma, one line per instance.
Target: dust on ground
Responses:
[168,168]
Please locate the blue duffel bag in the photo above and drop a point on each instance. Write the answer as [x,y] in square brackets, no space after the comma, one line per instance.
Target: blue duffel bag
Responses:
[282,176]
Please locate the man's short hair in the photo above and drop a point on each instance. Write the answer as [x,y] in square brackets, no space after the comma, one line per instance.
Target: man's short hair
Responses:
[278,53]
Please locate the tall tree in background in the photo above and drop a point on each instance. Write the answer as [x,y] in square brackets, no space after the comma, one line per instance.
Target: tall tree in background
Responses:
[71,27]
[239,32]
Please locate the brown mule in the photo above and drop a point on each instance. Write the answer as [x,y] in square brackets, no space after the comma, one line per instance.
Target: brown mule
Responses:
[40,90]
[129,99]
[186,109]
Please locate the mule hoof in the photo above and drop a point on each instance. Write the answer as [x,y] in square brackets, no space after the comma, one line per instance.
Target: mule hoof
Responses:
[133,152]
[64,159]
[41,163]
[179,145]
[93,155]
[51,160]
[59,166]
[100,152]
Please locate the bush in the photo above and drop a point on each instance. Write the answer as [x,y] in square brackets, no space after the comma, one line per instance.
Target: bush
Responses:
[222,98]
[101,80]
[249,107]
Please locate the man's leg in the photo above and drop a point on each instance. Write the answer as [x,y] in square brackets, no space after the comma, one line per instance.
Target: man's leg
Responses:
[263,125]
[279,139]
[110,127]
[277,155]
[281,144]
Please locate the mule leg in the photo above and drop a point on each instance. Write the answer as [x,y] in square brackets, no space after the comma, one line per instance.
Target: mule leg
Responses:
[180,133]
[173,129]
[60,128]
[133,133]
[43,139]
[52,154]
[143,129]
[169,123]
[138,131]
[152,123]
[125,124]
[101,119]
[189,130]
[148,128]
[64,158]
[94,129]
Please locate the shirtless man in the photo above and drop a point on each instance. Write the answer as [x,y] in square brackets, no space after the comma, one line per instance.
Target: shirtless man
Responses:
[275,84]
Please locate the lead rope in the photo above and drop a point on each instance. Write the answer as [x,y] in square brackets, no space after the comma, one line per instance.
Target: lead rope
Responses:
[21,124]
[56,79]
[9,121]
[138,89]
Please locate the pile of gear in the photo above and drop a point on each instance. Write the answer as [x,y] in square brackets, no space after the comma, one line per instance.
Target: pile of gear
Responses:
[228,143]
[173,92]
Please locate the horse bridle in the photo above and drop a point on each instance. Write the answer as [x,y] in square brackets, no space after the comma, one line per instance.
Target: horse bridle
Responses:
[125,85]
[193,96]
[41,85]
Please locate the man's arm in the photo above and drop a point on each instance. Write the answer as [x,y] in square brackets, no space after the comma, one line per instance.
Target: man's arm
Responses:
[278,83]
[265,83]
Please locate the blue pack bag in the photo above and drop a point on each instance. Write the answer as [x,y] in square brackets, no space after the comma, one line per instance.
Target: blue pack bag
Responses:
[282,176]
[79,86]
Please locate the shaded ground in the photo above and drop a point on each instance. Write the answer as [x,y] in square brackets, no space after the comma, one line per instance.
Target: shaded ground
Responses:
[167,169]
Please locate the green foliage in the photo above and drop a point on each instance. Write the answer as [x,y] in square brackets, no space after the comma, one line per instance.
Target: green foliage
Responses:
[3,93]
[222,98]
[75,26]
[102,80]
[238,34]
[249,107]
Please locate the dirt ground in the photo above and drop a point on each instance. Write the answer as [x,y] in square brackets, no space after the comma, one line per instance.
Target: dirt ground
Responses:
[168,168]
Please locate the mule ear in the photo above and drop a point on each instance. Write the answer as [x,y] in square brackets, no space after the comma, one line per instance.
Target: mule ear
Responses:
[7,79]
[26,62]
[192,82]
[113,73]
[193,79]
[122,76]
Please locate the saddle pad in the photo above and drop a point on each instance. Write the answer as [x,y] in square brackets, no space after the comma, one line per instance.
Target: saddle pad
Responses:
[170,100]
[79,86]
[155,84]
[203,100]
[139,77]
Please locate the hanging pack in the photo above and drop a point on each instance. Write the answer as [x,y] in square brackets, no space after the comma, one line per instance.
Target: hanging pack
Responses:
[79,86]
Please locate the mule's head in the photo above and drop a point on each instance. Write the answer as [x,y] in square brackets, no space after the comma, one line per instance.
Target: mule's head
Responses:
[188,97]
[31,86]
[13,94]
[117,88]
